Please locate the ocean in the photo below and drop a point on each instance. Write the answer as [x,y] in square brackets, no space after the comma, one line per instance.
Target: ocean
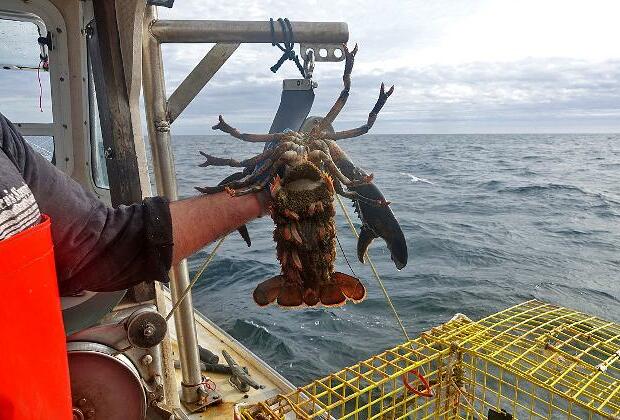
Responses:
[490,220]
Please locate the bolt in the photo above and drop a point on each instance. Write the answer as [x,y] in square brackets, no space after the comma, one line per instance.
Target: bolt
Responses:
[82,402]
[147,359]
[149,330]
[90,414]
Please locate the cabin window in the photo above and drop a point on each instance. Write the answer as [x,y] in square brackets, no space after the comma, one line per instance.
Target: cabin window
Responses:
[24,80]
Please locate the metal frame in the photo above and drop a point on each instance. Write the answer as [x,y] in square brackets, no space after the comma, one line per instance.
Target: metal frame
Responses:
[198,78]
[161,112]
[213,31]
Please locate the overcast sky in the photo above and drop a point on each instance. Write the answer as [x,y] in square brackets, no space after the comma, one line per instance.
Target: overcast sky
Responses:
[458,66]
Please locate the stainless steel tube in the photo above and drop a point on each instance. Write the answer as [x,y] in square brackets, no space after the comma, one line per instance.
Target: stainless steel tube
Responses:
[165,178]
[198,78]
[211,31]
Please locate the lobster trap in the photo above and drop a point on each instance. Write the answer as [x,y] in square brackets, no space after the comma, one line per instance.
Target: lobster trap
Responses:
[531,361]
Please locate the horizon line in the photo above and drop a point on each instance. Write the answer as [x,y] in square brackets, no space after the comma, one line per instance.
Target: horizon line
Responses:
[441,134]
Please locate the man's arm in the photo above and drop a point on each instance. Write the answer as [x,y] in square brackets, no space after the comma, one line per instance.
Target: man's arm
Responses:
[200,220]
[103,249]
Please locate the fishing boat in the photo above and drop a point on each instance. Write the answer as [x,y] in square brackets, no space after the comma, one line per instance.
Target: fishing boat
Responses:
[147,353]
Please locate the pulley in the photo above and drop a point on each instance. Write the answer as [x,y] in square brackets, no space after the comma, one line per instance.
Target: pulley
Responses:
[145,328]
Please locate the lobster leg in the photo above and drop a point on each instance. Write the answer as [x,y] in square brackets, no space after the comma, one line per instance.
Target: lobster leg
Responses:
[254,188]
[254,138]
[255,176]
[266,157]
[266,180]
[344,94]
[372,117]
[320,156]
[333,170]
[230,185]
[218,161]
[354,195]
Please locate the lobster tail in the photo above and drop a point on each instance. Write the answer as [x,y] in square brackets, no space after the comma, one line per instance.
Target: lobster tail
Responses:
[277,288]
[350,286]
[291,294]
[268,291]
[341,288]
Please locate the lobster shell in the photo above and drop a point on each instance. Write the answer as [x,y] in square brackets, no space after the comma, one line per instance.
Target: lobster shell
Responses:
[305,235]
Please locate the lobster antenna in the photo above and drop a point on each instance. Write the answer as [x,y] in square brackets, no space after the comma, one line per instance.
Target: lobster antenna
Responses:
[345,256]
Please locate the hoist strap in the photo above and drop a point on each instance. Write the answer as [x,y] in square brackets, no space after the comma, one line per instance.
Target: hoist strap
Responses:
[295,105]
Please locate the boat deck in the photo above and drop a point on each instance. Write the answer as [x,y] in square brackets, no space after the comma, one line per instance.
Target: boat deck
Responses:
[213,338]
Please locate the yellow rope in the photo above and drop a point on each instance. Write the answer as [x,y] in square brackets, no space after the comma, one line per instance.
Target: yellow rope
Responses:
[374,270]
[202,268]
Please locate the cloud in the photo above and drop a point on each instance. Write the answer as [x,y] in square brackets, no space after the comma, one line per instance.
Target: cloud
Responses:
[526,95]
[457,66]
[475,66]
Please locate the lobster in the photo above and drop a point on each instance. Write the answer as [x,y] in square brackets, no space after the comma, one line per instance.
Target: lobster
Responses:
[303,170]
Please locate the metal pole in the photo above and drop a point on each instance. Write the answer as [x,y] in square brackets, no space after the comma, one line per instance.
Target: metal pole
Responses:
[163,162]
[198,78]
[213,31]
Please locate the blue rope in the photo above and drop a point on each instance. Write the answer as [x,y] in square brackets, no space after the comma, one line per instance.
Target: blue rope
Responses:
[287,49]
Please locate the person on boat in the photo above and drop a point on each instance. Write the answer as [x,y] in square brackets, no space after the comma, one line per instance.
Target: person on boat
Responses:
[99,248]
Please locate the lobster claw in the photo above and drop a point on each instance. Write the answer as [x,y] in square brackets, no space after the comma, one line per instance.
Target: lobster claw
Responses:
[379,222]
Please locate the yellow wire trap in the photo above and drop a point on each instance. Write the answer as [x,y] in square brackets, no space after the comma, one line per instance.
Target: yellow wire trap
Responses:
[533,361]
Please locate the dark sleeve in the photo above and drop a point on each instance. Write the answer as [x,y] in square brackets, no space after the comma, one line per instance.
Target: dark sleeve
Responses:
[96,247]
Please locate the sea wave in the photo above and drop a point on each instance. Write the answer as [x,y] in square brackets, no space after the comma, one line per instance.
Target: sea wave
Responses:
[415,179]
[490,221]
[542,188]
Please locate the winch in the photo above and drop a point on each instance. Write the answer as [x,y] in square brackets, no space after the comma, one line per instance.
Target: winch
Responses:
[115,367]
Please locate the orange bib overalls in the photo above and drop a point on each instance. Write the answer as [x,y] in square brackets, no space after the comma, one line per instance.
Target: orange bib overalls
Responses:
[34,376]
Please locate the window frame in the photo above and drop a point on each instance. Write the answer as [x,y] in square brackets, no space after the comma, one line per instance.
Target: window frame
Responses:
[60,129]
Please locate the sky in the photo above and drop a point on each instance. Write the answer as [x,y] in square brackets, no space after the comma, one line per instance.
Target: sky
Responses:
[476,66]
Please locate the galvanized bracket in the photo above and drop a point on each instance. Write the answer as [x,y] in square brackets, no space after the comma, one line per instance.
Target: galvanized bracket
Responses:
[206,397]
[298,84]
[323,52]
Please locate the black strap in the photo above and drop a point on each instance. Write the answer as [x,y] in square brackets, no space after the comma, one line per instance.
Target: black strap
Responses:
[287,49]
[43,42]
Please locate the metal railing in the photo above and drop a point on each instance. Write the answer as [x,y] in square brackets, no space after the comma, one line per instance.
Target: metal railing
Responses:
[161,112]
